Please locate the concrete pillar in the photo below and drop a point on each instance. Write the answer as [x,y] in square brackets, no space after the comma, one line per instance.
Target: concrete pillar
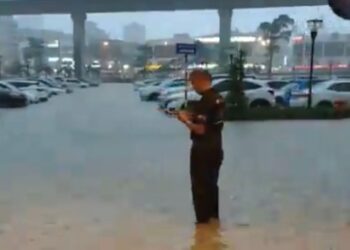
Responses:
[225,17]
[78,19]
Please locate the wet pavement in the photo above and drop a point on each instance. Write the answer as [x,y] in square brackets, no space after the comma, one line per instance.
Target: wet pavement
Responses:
[98,169]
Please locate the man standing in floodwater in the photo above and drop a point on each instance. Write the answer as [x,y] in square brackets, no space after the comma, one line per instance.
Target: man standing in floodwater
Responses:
[205,122]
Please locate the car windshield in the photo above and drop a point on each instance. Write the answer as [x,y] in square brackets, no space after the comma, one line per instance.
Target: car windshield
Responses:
[168,82]
[8,86]
[73,81]
[20,84]
[277,84]
[322,85]
[47,83]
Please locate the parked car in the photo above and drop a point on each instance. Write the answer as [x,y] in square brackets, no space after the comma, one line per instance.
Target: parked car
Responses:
[167,92]
[151,93]
[325,94]
[31,87]
[77,83]
[277,84]
[256,92]
[64,84]
[284,94]
[50,87]
[219,76]
[92,83]
[172,93]
[11,98]
[30,95]
[304,83]
[143,83]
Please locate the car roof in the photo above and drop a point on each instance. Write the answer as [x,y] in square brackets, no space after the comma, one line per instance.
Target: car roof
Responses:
[216,81]
[331,82]
[262,83]
[5,83]
[22,81]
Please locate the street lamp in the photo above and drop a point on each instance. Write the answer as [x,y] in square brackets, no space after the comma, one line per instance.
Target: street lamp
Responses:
[104,50]
[314,25]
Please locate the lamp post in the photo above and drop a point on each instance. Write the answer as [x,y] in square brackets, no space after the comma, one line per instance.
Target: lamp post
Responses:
[314,25]
[104,53]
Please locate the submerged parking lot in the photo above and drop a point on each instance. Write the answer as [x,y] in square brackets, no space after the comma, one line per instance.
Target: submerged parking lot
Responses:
[101,170]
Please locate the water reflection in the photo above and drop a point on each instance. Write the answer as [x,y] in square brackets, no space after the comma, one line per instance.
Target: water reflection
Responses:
[208,237]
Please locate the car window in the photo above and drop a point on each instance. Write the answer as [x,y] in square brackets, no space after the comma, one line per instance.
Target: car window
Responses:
[72,81]
[346,86]
[250,85]
[218,77]
[177,84]
[277,84]
[3,87]
[341,87]
[21,84]
[222,86]
[46,83]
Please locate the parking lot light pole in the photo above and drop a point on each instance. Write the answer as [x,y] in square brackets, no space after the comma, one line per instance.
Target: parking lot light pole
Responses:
[314,25]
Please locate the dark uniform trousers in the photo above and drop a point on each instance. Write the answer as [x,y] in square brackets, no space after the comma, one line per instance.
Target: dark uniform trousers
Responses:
[205,165]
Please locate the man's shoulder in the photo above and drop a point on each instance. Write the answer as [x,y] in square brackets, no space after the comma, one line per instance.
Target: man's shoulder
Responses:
[214,98]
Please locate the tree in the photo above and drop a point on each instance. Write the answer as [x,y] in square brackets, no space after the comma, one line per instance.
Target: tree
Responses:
[236,98]
[279,29]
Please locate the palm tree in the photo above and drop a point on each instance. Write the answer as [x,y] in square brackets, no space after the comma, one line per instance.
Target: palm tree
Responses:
[279,29]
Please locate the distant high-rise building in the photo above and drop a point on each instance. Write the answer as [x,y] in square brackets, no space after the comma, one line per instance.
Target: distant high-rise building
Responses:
[94,33]
[8,40]
[135,33]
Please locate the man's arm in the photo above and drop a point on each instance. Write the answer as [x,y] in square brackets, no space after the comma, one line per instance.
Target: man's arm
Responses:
[187,119]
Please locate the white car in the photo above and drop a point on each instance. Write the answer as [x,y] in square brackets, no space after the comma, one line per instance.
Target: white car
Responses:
[32,95]
[13,89]
[64,84]
[77,83]
[256,92]
[325,94]
[50,88]
[144,83]
[171,94]
[151,93]
[32,88]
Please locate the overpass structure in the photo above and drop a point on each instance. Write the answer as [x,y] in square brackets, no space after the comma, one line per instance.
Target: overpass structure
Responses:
[79,8]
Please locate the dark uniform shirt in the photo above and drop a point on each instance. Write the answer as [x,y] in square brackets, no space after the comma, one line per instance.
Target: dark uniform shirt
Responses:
[209,111]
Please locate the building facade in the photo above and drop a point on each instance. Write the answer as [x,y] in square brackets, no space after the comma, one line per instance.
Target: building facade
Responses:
[252,44]
[134,33]
[330,49]
[9,51]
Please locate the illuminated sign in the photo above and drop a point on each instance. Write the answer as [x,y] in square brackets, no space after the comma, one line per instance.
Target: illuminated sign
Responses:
[239,39]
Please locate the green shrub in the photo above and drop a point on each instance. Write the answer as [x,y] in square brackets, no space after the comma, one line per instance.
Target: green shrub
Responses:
[236,97]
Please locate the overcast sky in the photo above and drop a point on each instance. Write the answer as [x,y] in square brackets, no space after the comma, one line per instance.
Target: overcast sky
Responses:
[165,24]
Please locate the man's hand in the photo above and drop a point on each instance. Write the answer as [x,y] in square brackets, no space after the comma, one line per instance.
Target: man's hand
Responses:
[184,116]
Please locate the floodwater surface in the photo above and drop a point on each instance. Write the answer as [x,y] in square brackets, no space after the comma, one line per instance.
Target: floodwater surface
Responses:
[101,170]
